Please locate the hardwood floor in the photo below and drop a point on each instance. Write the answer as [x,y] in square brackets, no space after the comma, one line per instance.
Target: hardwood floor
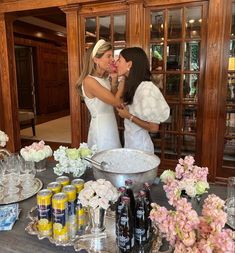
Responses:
[42,119]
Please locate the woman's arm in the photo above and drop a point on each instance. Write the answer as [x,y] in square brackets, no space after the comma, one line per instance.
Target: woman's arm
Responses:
[149,126]
[93,88]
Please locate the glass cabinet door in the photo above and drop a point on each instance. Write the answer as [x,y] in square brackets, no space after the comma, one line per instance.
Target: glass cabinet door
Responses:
[176,57]
[229,136]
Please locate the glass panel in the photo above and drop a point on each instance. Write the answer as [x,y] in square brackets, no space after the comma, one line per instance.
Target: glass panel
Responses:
[173,56]
[174,24]
[190,87]
[90,30]
[229,150]
[156,56]
[171,143]
[119,28]
[171,123]
[231,88]
[189,116]
[233,21]
[104,28]
[192,55]
[172,86]
[188,145]
[193,18]
[230,122]
[157,26]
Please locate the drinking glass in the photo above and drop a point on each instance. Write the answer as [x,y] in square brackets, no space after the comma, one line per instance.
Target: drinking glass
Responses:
[230,202]
[27,175]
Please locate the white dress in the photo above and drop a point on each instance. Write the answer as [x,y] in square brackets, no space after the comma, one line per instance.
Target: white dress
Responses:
[148,105]
[103,130]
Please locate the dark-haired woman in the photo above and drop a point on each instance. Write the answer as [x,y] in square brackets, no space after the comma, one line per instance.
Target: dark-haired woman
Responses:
[145,107]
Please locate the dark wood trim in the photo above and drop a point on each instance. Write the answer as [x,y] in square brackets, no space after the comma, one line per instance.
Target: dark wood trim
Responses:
[9,83]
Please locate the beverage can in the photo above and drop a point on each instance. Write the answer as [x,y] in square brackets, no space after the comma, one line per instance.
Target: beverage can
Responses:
[78,183]
[60,217]
[55,187]
[44,225]
[63,180]
[71,192]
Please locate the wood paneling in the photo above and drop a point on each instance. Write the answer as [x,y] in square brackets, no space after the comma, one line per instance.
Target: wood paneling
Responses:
[8,83]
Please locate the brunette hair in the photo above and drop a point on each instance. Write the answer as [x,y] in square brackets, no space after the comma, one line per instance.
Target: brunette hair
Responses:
[139,71]
[89,66]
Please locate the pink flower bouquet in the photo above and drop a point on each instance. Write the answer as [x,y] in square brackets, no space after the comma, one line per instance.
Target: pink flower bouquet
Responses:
[188,232]
[187,178]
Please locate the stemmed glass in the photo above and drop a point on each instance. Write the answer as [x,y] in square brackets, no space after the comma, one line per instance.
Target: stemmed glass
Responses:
[27,174]
[10,178]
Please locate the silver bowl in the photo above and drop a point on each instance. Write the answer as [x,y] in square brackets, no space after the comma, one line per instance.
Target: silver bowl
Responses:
[124,164]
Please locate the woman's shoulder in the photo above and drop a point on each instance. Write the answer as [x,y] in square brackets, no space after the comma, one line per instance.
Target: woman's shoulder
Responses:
[147,86]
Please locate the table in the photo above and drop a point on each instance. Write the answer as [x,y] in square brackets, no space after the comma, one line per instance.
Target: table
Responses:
[19,241]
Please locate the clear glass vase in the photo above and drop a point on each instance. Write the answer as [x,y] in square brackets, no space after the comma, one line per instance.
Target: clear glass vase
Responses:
[41,165]
[97,219]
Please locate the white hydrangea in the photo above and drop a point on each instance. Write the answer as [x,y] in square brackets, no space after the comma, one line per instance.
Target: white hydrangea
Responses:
[3,139]
[70,159]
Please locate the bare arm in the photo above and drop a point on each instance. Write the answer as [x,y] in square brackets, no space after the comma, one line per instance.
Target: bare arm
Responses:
[149,126]
[93,89]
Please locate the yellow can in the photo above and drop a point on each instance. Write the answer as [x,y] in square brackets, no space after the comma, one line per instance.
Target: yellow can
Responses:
[78,183]
[63,180]
[44,225]
[70,190]
[55,187]
[60,217]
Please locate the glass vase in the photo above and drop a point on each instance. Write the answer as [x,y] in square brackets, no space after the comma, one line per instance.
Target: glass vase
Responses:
[41,165]
[195,202]
[97,219]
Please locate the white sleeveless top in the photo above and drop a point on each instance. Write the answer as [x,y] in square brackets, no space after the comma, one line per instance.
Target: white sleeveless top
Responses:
[103,130]
[148,105]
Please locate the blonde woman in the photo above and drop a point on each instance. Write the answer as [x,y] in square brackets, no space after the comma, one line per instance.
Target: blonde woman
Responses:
[101,94]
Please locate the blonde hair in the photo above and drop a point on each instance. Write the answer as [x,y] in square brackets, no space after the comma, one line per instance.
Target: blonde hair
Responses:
[89,66]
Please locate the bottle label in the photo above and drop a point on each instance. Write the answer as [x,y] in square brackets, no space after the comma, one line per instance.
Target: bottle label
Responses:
[140,213]
[123,242]
[140,234]
[124,220]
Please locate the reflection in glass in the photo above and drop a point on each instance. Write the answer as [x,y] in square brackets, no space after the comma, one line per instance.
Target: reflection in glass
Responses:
[171,143]
[233,20]
[119,28]
[190,87]
[172,86]
[193,22]
[104,28]
[156,56]
[90,30]
[175,24]
[231,88]
[192,55]
[229,150]
[157,26]
[188,145]
[171,123]
[189,119]
[173,56]
[230,122]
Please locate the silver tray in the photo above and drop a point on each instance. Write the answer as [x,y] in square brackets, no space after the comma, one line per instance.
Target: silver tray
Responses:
[19,196]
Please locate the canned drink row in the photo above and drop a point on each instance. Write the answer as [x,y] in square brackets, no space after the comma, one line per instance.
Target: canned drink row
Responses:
[60,213]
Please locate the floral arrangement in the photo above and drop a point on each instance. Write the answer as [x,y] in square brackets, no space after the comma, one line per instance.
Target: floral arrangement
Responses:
[36,152]
[70,159]
[99,193]
[188,232]
[3,139]
[187,179]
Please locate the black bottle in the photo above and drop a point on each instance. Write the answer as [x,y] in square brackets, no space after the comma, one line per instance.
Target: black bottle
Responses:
[141,231]
[125,239]
[148,201]
[119,206]
[129,193]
